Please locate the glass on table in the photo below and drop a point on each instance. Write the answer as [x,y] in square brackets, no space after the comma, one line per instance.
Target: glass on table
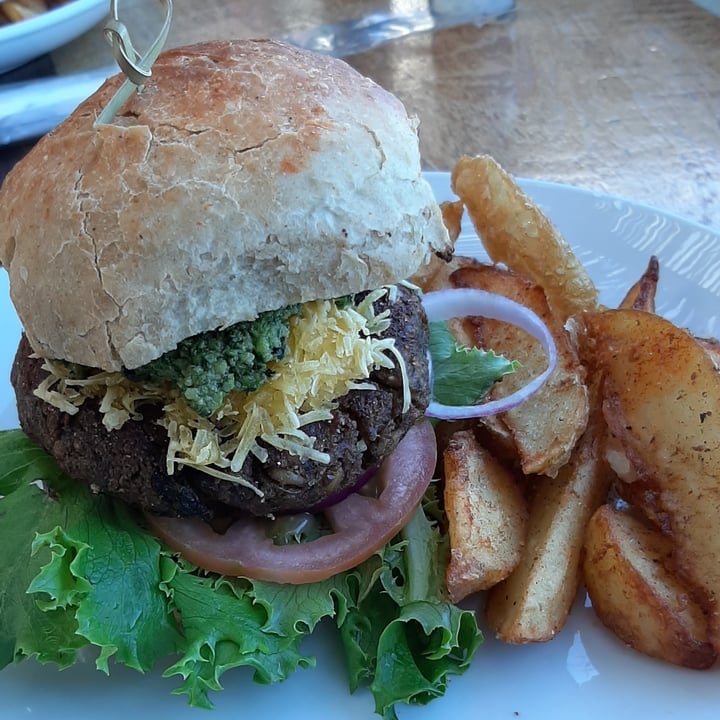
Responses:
[353,26]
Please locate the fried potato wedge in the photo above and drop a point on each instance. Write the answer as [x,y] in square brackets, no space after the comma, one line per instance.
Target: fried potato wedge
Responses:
[533,603]
[712,347]
[628,576]
[661,402]
[444,431]
[546,427]
[641,296]
[435,275]
[487,517]
[452,214]
[514,231]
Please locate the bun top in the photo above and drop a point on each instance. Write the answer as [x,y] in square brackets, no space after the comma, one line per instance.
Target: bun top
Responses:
[244,177]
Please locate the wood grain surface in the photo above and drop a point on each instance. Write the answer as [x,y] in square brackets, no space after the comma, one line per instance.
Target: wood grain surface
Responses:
[618,96]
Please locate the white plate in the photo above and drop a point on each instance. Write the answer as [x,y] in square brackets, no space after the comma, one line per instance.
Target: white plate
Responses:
[22,41]
[585,673]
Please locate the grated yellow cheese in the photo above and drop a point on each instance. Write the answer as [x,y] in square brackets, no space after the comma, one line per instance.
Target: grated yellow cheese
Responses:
[331,351]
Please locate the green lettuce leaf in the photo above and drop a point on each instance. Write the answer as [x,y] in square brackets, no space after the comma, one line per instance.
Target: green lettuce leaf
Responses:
[26,630]
[21,462]
[78,571]
[403,638]
[224,628]
[463,375]
[107,571]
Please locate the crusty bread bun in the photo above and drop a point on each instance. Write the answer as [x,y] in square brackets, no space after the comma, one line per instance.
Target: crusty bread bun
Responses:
[245,176]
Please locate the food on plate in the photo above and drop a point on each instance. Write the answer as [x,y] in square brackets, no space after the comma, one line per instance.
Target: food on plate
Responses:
[486,516]
[218,332]
[220,344]
[649,438]
[661,393]
[557,432]
[533,603]
[628,571]
[641,296]
[514,231]
[198,237]
[542,447]
[17,10]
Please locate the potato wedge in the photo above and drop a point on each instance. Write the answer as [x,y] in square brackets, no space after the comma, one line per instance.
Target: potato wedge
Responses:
[546,427]
[627,574]
[436,274]
[641,296]
[433,275]
[712,347]
[533,603]
[444,431]
[452,214]
[662,403]
[486,515]
[514,231]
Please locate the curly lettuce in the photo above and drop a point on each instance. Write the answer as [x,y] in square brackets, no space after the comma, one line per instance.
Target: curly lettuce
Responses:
[76,571]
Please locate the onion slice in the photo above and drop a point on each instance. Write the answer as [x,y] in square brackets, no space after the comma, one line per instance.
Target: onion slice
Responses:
[443,305]
[361,525]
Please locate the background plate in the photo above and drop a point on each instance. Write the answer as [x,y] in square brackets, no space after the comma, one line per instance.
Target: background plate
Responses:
[22,41]
[585,673]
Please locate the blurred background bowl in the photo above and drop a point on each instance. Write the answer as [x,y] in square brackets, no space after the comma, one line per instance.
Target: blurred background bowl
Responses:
[23,41]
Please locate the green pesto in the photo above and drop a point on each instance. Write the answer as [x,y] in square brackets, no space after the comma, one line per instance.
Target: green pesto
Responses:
[207,367]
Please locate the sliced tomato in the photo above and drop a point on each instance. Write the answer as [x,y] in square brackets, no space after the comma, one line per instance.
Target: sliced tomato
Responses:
[361,525]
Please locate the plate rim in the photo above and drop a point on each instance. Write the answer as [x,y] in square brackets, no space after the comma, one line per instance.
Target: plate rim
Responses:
[569,707]
[530,184]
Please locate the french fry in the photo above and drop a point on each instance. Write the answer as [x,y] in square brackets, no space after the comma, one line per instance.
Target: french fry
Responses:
[514,231]
[533,603]
[546,427]
[486,515]
[628,573]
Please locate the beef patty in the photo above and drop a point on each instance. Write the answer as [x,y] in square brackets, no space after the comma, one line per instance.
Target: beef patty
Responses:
[130,463]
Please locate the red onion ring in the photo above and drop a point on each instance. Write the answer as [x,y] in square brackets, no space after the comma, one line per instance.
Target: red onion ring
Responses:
[361,481]
[443,305]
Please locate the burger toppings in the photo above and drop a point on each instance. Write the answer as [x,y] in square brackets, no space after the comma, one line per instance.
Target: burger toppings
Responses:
[321,351]
[472,371]
[206,368]
[79,574]
[130,461]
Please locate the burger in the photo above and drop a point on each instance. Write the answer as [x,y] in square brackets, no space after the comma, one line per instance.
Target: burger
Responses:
[249,188]
[219,348]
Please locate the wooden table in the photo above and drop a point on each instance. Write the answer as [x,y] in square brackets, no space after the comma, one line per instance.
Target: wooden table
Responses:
[613,96]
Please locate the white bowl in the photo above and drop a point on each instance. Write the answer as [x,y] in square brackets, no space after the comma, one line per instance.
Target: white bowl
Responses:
[22,41]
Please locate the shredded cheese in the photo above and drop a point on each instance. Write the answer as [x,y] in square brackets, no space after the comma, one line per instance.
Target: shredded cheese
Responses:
[330,352]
